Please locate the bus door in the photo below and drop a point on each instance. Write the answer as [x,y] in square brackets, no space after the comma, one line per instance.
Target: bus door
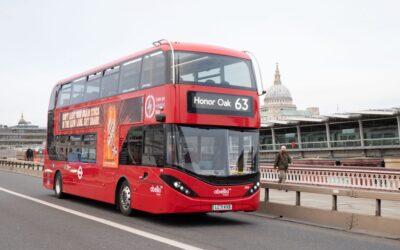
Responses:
[140,156]
[150,184]
[130,160]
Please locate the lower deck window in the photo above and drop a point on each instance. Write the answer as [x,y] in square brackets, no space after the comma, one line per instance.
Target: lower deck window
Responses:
[74,148]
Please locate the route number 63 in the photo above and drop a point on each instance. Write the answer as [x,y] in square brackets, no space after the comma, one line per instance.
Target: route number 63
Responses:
[242,104]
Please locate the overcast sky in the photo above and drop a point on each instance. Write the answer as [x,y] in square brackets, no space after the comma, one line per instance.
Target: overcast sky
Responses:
[337,55]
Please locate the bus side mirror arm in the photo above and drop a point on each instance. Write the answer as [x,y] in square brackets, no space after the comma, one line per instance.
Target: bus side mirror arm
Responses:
[257,71]
[158,43]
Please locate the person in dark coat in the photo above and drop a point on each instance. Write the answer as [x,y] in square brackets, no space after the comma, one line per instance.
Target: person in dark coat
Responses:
[29,154]
[282,161]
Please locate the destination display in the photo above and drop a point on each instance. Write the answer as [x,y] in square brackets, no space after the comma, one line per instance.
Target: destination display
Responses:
[219,104]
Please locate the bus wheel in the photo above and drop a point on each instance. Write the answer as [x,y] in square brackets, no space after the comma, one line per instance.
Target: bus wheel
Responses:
[124,199]
[58,191]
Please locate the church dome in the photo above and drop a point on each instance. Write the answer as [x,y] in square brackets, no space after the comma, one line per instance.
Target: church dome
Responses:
[278,92]
[22,121]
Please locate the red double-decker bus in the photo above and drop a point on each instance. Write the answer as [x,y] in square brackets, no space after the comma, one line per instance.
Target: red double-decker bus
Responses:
[171,129]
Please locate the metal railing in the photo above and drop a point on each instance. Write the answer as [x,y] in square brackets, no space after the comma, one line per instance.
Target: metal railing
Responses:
[345,143]
[351,177]
[380,142]
[22,164]
[321,144]
[376,225]
[266,147]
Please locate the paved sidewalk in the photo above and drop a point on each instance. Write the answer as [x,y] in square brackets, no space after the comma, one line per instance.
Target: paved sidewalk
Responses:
[345,204]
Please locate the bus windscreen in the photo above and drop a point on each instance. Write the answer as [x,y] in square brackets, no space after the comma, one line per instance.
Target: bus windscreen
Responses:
[213,151]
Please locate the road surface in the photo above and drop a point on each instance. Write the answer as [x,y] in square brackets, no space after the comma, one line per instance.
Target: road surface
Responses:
[32,218]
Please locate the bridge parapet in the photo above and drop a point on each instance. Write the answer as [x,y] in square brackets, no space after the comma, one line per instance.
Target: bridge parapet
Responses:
[376,225]
[349,177]
[25,167]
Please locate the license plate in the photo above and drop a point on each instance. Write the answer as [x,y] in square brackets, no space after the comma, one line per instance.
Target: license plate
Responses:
[222,207]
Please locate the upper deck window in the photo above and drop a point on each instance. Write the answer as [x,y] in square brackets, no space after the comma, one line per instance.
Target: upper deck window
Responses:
[153,70]
[130,76]
[78,88]
[53,97]
[109,82]
[214,70]
[64,96]
[93,87]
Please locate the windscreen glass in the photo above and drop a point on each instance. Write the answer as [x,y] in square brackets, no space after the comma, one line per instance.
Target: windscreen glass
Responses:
[213,151]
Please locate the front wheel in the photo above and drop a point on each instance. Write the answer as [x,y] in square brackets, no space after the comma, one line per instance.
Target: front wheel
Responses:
[58,191]
[124,199]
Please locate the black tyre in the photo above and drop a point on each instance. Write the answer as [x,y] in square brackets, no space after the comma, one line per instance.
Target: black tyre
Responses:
[58,189]
[124,199]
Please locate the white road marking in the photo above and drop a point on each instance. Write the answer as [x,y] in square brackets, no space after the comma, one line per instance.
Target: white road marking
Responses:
[131,230]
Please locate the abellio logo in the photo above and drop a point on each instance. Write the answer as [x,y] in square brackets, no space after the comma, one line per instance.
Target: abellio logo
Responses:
[156,189]
[223,191]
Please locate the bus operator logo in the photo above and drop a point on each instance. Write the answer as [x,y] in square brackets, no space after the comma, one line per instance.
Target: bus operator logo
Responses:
[150,106]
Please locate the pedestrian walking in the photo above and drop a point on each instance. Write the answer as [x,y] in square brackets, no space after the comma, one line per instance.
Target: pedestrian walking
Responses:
[282,161]
[29,154]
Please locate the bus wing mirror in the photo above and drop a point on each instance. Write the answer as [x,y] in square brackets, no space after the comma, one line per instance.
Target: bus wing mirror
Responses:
[160,117]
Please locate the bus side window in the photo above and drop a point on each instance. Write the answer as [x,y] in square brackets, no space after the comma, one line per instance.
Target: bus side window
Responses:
[53,98]
[153,153]
[64,95]
[78,88]
[89,148]
[75,148]
[109,82]
[131,152]
[61,147]
[93,87]
[51,147]
[153,70]
[130,76]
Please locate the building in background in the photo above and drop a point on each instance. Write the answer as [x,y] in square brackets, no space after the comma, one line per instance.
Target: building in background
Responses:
[20,137]
[360,134]
[278,103]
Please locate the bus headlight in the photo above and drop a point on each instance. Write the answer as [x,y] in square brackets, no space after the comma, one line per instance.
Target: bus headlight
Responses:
[177,185]
[253,189]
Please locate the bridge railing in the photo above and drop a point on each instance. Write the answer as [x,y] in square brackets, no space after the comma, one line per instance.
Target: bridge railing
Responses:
[349,177]
[38,166]
[329,176]
[335,144]
[372,224]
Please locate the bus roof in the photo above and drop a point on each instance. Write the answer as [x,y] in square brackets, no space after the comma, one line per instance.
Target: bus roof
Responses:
[178,46]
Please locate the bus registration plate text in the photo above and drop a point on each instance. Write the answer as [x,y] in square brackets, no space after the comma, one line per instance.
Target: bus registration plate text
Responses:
[223,207]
